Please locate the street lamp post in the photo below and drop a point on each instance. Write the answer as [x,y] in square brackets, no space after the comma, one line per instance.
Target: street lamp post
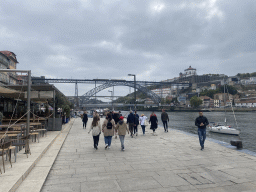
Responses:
[111,99]
[134,89]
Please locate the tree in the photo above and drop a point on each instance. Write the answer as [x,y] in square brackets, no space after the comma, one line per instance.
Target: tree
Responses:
[228,89]
[67,110]
[195,101]
[209,93]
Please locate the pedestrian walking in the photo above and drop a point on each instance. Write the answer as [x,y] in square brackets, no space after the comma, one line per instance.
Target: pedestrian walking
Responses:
[154,122]
[84,119]
[201,122]
[96,131]
[142,122]
[136,123]
[165,118]
[130,121]
[121,128]
[108,130]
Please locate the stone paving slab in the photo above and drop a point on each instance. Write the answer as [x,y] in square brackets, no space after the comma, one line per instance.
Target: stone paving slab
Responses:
[169,161]
[14,177]
[37,176]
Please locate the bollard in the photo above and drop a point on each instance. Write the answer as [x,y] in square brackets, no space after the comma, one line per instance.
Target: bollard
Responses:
[238,144]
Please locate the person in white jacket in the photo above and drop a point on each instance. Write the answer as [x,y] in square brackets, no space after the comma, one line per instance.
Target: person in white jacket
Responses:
[142,122]
[96,131]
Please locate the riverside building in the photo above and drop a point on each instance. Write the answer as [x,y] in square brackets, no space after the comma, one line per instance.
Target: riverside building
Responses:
[8,60]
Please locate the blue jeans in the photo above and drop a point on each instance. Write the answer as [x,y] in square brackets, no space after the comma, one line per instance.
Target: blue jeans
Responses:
[108,140]
[121,137]
[143,129]
[202,136]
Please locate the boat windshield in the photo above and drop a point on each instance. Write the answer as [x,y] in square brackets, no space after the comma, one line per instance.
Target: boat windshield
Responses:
[220,124]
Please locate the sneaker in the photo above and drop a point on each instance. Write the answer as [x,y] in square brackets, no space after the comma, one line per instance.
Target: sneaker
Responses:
[136,134]
[167,130]
[106,146]
[109,147]
[123,149]
[202,148]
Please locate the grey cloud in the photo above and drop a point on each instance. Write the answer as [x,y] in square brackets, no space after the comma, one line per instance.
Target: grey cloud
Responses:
[153,39]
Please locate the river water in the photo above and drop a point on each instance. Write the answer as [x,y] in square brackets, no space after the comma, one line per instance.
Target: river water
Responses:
[185,121]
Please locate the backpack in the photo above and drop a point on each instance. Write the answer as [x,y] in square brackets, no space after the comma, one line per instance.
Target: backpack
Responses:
[109,125]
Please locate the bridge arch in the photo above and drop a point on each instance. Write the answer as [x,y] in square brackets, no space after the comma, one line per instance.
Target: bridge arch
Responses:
[95,90]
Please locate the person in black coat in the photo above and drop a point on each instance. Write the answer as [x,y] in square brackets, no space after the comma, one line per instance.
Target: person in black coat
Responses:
[130,120]
[154,122]
[201,122]
[85,119]
[136,123]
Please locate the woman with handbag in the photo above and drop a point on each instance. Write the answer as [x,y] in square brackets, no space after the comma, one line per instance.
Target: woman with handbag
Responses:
[154,122]
[96,130]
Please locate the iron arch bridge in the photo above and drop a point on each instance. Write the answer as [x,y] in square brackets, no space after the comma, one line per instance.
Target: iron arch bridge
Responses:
[106,85]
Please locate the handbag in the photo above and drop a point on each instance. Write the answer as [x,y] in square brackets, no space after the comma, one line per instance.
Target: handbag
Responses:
[95,131]
[146,123]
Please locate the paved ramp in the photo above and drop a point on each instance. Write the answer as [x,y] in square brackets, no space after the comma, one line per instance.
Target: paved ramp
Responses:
[169,161]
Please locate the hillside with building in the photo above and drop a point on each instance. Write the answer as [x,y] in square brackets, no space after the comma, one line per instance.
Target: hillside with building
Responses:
[240,91]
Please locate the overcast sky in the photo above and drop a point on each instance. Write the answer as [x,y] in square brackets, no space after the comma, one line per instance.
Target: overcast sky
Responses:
[154,39]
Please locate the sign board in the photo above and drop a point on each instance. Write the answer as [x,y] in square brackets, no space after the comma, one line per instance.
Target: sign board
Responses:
[46,94]
[40,94]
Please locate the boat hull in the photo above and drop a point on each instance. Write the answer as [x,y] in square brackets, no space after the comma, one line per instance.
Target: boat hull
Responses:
[229,131]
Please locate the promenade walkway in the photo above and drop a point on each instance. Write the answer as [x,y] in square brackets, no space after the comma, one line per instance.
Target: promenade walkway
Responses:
[169,161]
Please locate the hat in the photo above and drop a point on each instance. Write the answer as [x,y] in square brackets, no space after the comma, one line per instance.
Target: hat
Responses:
[121,118]
[142,114]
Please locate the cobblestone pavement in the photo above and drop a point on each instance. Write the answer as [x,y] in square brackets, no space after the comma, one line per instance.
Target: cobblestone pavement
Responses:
[169,161]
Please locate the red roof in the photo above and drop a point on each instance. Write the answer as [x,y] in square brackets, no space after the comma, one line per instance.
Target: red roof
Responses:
[9,55]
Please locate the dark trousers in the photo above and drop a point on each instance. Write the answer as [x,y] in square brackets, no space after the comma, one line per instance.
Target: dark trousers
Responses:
[84,124]
[143,129]
[96,140]
[135,129]
[202,136]
[131,127]
[165,125]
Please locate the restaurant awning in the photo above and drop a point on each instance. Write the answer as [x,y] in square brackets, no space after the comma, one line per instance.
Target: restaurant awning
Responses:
[39,93]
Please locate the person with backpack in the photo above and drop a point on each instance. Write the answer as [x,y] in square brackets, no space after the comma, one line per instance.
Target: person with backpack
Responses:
[136,123]
[96,131]
[130,120]
[108,130]
[121,128]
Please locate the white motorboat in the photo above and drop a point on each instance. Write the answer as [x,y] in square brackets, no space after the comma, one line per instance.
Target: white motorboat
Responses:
[222,128]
